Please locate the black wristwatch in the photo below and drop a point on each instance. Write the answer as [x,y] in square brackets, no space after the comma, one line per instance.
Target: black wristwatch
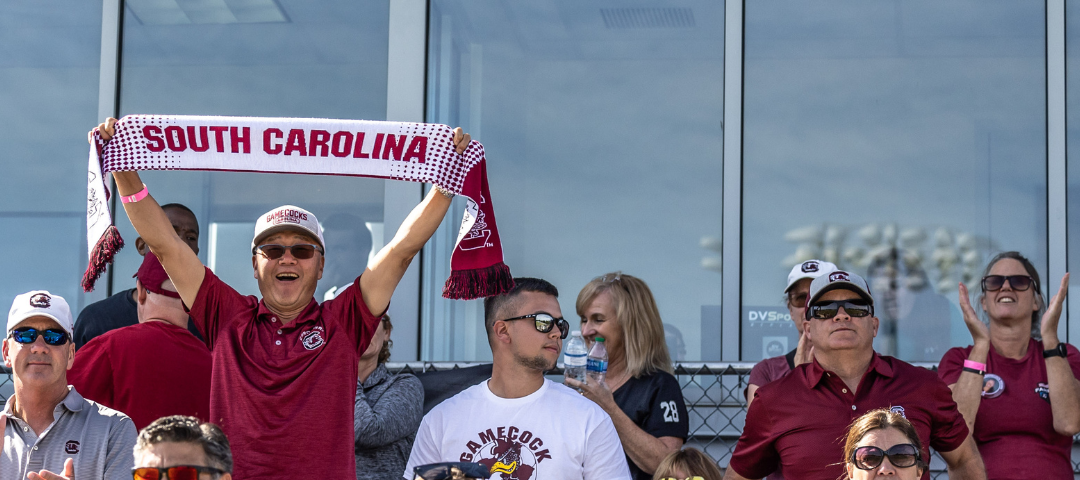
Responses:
[1058,351]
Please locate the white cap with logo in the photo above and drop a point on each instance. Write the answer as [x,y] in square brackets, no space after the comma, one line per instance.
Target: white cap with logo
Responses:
[40,303]
[287,217]
[808,269]
[838,280]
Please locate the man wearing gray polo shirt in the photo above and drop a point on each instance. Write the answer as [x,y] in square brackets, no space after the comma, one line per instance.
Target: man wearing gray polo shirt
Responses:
[50,431]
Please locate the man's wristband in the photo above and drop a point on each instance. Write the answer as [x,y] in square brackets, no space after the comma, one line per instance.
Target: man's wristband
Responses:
[141,194]
[975,371]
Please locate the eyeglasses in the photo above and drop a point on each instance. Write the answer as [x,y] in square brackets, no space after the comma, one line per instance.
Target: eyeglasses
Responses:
[993,283]
[301,251]
[695,477]
[796,300]
[611,278]
[901,456]
[178,472]
[854,308]
[52,336]
[543,323]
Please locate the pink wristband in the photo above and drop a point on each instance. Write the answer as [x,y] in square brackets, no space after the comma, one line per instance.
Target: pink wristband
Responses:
[975,365]
[141,194]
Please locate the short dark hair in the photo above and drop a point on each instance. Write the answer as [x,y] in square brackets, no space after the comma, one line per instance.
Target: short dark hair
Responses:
[180,207]
[494,304]
[184,429]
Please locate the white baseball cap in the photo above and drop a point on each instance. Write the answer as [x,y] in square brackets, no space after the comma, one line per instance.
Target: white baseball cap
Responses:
[808,269]
[838,280]
[40,303]
[287,217]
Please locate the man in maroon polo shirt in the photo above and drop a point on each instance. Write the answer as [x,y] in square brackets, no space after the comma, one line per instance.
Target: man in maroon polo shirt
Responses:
[157,355]
[285,367]
[798,422]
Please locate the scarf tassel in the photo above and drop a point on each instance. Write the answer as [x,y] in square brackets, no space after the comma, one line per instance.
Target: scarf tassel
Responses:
[103,254]
[478,282]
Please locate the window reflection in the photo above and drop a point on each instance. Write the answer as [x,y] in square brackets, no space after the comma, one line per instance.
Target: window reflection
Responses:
[903,140]
[283,58]
[602,128]
[49,91]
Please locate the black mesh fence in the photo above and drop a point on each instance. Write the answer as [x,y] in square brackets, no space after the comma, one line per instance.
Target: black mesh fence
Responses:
[714,401]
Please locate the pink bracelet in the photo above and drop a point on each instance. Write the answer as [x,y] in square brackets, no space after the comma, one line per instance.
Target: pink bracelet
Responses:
[141,194]
[975,365]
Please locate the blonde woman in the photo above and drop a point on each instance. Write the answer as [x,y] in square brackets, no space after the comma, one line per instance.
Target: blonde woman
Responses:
[639,393]
[881,443]
[688,464]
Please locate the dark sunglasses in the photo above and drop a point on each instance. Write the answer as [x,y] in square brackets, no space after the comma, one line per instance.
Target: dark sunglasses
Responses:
[543,323]
[993,283]
[854,308]
[901,456]
[28,335]
[302,251]
[179,472]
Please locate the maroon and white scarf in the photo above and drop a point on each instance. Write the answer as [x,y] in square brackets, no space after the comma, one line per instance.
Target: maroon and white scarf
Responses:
[416,152]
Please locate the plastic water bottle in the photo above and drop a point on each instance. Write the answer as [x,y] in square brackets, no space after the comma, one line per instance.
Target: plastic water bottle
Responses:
[576,352]
[597,363]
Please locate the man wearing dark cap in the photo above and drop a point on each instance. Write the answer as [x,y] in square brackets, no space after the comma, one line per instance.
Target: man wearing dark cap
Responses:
[121,309]
[285,366]
[153,369]
[797,421]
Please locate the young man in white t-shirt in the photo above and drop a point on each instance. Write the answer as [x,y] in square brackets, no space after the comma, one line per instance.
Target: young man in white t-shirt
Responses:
[519,424]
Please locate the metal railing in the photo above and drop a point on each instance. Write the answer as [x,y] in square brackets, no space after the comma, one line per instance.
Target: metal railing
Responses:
[714,401]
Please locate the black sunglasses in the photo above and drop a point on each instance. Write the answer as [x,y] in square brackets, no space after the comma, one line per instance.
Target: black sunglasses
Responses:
[28,335]
[993,283]
[178,472]
[901,456]
[825,311]
[301,251]
[543,323]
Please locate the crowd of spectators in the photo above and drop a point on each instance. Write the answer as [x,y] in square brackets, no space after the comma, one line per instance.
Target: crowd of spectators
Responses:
[184,378]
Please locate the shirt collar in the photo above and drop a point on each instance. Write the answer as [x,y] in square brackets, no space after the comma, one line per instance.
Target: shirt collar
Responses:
[307,314]
[73,402]
[815,372]
[377,376]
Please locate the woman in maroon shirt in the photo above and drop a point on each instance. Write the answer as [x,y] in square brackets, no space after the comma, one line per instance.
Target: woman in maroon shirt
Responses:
[1017,384]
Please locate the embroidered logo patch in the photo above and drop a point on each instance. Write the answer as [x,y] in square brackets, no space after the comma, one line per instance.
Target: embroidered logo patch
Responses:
[809,266]
[839,276]
[40,300]
[312,339]
[71,447]
[898,410]
[1043,391]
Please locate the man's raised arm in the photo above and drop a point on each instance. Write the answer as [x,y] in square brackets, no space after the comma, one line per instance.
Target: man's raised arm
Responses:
[378,282]
[181,263]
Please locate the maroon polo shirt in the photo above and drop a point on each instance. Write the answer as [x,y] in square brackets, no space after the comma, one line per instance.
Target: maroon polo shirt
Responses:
[799,421]
[1015,431]
[148,370]
[284,394]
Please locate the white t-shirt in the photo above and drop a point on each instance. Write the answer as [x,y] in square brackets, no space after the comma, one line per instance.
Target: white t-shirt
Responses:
[552,434]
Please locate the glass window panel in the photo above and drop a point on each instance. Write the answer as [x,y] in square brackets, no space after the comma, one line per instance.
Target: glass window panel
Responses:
[283,58]
[602,127]
[49,92]
[1072,124]
[904,140]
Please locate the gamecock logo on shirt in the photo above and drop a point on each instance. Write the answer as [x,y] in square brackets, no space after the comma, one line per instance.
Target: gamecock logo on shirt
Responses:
[312,339]
[509,453]
[71,447]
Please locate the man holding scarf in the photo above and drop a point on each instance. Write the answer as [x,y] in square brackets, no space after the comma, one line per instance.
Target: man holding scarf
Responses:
[285,366]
